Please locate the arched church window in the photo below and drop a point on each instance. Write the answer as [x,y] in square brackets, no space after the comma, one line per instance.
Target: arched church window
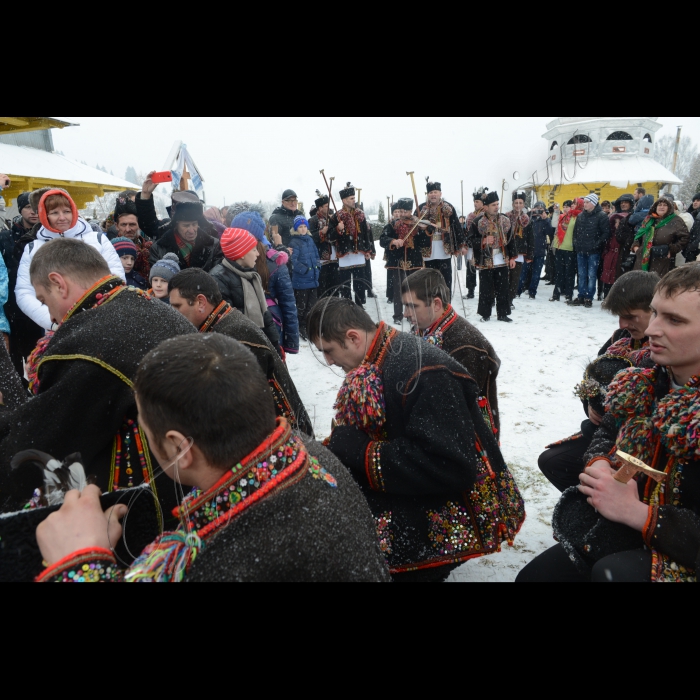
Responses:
[554,145]
[580,138]
[620,136]
[648,138]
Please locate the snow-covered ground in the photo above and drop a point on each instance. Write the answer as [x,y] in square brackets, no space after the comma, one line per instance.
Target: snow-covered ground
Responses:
[544,353]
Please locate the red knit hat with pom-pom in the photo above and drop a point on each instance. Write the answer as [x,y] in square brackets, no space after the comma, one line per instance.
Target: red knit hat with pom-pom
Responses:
[237,243]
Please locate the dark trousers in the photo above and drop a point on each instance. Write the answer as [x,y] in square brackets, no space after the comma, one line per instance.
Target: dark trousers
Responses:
[554,566]
[563,464]
[306,300]
[514,276]
[550,273]
[353,279]
[328,281]
[368,279]
[444,266]
[567,264]
[390,274]
[532,270]
[494,285]
[399,278]
[471,276]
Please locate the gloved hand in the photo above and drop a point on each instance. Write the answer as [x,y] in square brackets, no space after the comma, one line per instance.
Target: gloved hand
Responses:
[349,444]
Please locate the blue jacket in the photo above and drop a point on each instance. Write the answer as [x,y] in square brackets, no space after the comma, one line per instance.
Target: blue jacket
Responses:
[281,301]
[306,262]
[4,296]
[133,279]
[641,211]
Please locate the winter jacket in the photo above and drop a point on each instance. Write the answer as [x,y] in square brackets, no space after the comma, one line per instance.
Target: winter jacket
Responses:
[306,262]
[348,242]
[410,255]
[284,220]
[24,292]
[231,286]
[85,391]
[541,230]
[567,244]
[641,211]
[672,238]
[613,252]
[592,232]
[325,249]
[4,295]
[133,279]
[281,300]
[693,247]
[206,254]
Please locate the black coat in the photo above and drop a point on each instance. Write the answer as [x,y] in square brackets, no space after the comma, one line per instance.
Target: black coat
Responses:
[231,287]
[154,229]
[347,244]
[325,248]
[237,326]
[483,256]
[592,232]
[453,235]
[523,241]
[206,254]
[82,403]
[541,230]
[410,256]
[284,220]
[428,461]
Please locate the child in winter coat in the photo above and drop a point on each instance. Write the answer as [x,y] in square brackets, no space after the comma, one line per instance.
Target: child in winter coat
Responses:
[128,252]
[306,271]
[240,284]
[161,274]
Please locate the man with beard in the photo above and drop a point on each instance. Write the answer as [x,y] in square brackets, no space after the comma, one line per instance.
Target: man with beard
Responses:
[447,235]
[523,239]
[495,257]
[403,241]
[350,232]
[318,227]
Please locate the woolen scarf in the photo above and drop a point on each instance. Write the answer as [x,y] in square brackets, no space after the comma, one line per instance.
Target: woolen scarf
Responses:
[253,294]
[647,234]
[565,220]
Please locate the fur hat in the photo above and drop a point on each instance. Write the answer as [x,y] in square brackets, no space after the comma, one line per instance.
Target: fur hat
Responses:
[125,246]
[166,268]
[480,195]
[322,200]
[188,211]
[519,194]
[124,207]
[491,198]
[433,186]
[405,204]
[349,191]
[394,207]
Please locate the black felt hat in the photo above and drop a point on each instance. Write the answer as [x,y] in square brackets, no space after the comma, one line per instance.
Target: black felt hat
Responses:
[322,200]
[519,195]
[405,204]
[491,198]
[480,195]
[433,186]
[349,191]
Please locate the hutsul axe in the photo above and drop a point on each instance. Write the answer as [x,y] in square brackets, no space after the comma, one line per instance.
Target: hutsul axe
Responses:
[631,466]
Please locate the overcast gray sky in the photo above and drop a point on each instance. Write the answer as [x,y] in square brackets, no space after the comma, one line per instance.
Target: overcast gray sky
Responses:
[255,158]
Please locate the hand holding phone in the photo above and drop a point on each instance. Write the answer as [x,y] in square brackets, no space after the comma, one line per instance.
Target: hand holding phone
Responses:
[159,178]
[5,182]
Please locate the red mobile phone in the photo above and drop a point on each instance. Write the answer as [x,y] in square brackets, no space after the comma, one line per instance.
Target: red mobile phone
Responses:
[159,178]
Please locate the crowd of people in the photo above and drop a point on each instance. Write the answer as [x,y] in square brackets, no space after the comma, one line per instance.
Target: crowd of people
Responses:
[179,449]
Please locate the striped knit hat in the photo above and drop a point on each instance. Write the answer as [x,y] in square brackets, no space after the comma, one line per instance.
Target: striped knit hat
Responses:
[594,199]
[237,243]
[125,246]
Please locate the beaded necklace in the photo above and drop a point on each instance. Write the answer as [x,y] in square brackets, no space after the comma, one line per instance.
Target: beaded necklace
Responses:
[435,334]
[220,312]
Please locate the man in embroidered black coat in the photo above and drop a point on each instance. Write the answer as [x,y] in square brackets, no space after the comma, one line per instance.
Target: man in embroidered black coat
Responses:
[196,295]
[319,230]
[84,378]
[350,232]
[421,465]
[268,506]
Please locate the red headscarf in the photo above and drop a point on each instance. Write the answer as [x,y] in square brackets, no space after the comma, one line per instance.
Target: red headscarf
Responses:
[565,219]
[44,215]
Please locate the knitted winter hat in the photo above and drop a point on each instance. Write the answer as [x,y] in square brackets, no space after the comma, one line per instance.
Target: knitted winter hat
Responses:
[252,222]
[166,268]
[594,199]
[236,243]
[125,246]
[44,215]
[300,221]
[23,201]
[696,198]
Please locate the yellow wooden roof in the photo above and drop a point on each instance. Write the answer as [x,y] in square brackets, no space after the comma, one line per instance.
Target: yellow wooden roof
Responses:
[18,125]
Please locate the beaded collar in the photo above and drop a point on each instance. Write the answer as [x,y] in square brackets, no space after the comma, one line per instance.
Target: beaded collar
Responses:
[435,334]
[100,293]
[220,312]
[281,461]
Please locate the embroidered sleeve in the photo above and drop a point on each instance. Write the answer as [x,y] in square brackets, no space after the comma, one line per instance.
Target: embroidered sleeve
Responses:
[373,466]
[675,533]
[86,566]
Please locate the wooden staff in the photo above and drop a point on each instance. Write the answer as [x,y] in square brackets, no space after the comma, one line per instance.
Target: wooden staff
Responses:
[415,191]
[330,191]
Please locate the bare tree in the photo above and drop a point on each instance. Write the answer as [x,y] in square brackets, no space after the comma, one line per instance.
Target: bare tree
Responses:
[691,186]
[687,153]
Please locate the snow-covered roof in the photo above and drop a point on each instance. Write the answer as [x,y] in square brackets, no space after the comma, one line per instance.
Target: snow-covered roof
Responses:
[621,172]
[19,125]
[33,163]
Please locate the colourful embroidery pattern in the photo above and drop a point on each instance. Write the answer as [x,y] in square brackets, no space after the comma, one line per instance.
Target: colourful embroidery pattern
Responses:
[319,473]
[435,335]
[665,571]
[451,531]
[385,534]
